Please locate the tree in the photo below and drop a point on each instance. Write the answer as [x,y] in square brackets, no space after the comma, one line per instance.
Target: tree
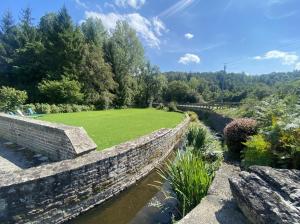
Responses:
[61,91]
[10,98]
[126,55]
[151,85]
[94,32]
[179,91]
[64,46]
[27,63]
[8,45]
[97,78]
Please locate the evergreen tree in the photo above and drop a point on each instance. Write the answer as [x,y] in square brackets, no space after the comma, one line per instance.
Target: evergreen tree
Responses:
[8,45]
[64,46]
[94,32]
[97,78]
[27,64]
[126,55]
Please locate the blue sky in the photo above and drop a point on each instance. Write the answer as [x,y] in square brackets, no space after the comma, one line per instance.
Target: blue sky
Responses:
[251,36]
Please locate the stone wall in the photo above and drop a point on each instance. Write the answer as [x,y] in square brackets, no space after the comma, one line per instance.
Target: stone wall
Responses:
[215,121]
[56,192]
[56,141]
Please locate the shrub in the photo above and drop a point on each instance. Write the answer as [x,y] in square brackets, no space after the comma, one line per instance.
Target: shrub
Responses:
[192,134]
[257,152]
[193,116]
[200,138]
[237,132]
[43,108]
[11,99]
[160,106]
[61,91]
[190,178]
[172,106]
[55,109]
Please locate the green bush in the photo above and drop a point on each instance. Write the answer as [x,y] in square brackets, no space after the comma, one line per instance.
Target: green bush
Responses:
[54,109]
[193,116]
[11,99]
[44,108]
[237,132]
[257,152]
[192,134]
[61,91]
[172,106]
[190,178]
[160,106]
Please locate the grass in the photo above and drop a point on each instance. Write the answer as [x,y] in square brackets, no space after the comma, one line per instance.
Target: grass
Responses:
[112,127]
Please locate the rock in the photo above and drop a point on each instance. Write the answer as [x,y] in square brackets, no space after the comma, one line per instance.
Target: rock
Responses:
[267,195]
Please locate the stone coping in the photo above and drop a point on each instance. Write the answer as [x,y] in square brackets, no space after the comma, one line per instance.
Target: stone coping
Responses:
[31,174]
[56,141]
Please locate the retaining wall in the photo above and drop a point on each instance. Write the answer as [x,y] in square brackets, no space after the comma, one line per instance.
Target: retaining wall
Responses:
[56,141]
[215,121]
[59,191]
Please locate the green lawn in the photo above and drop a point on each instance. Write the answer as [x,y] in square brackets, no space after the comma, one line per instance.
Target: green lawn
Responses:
[111,127]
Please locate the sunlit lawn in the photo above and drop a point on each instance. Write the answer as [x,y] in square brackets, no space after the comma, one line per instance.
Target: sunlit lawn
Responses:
[111,127]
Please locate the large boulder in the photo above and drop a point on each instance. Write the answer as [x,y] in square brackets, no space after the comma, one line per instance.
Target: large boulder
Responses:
[267,195]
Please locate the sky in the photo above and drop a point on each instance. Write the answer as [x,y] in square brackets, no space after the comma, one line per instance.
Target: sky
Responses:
[251,36]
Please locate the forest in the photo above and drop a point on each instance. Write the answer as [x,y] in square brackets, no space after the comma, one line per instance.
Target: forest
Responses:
[56,61]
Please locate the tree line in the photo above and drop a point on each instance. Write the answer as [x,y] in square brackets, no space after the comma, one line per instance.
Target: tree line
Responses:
[58,62]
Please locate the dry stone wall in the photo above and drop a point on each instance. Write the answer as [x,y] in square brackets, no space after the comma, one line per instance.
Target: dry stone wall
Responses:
[56,141]
[59,191]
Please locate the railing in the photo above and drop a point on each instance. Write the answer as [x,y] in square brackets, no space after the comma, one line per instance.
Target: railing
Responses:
[208,106]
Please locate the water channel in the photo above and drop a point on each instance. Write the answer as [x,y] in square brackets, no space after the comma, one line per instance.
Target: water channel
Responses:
[123,208]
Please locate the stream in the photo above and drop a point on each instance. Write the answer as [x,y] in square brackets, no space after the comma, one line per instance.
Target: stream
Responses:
[123,208]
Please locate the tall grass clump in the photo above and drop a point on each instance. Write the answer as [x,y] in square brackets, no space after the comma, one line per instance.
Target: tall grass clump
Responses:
[193,170]
[190,178]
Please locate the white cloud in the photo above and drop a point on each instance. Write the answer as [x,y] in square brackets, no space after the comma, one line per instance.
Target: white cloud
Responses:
[149,30]
[297,66]
[81,4]
[189,36]
[136,4]
[189,58]
[286,58]
[158,26]
[177,7]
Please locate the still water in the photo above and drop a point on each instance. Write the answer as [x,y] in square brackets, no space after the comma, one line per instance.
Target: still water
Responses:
[122,208]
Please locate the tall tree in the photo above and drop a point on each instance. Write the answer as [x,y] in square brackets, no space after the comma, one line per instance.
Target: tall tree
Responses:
[8,45]
[126,55]
[27,64]
[97,78]
[64,46]
[94,32]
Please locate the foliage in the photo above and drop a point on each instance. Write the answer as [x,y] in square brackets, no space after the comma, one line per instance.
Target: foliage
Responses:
[279,125]
[11,99]
[257,152]
[44,108]
[62,91]
[190,178]
[111,67]
[112,127]
[193,170]
[179,91]
[193,116]
[237,132]
[172,106]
